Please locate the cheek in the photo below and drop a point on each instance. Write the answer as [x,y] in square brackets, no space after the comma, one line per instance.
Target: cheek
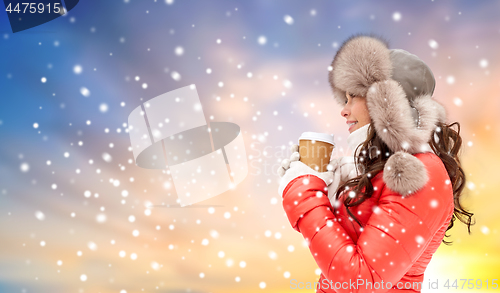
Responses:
[360,112]
[367,118]
[364,113]
[367,113]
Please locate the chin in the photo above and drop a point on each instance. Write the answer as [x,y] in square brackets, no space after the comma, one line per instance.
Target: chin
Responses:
[354,129]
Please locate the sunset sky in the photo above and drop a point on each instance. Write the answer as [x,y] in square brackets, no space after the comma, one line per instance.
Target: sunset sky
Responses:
[71,195]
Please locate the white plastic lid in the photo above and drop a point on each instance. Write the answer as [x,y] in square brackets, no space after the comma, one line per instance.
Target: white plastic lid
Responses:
[324,137]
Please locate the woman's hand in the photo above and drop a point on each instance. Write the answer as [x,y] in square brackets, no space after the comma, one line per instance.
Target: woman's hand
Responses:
[293,168]
[285,164]
[344,168]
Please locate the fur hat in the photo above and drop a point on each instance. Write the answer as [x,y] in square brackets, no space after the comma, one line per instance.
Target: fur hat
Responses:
[398,87]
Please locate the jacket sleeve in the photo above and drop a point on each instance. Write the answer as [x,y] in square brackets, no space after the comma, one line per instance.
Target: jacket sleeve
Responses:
[395,236]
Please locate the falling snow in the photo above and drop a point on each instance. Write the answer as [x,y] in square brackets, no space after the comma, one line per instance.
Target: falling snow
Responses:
[101,218]
[288,19]
[103,107]
[433,44]
[175,76]
[92,246]
[457,101]
[79,145]
[77,69]
[39,215]
[85,92]
[396,16]
[25,167]
[106,157]
[262,40]
[179,51]
[483,63]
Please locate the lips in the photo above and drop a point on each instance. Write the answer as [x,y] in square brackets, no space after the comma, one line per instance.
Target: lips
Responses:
[351,124]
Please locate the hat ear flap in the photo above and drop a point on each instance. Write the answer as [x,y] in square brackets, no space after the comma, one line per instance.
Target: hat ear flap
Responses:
[441,111]
[393,119]
[429,115]
[391,115]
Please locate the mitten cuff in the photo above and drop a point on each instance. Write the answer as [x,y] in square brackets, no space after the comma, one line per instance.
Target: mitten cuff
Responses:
[297,169]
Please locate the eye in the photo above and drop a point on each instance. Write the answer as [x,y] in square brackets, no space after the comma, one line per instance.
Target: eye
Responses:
[350,97]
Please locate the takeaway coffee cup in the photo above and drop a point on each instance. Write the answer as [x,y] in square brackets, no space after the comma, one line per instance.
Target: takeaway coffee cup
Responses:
[315,150]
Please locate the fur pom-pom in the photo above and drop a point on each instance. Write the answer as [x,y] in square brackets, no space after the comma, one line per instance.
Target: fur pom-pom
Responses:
[404,173]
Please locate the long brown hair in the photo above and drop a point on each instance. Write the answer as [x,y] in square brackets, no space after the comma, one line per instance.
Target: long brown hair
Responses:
[374,153]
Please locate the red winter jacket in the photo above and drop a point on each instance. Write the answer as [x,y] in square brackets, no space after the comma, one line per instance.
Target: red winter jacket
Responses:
[398,238]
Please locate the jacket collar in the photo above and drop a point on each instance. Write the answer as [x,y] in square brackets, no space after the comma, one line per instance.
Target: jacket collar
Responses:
[357,137]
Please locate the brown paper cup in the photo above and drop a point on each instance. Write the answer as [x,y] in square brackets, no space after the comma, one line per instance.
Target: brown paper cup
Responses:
[315,150]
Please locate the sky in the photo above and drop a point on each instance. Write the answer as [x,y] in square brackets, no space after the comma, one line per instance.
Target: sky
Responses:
[77,214]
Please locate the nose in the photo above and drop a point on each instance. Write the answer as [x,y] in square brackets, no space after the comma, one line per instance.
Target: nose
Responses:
[345,111]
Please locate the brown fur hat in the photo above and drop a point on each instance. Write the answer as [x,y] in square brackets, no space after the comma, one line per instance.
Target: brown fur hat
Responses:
[360,61]
[398,87]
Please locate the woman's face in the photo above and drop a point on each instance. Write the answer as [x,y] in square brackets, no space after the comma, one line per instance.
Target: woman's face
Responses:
[356,112]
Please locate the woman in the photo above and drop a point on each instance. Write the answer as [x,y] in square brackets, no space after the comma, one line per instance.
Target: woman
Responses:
[376,229]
